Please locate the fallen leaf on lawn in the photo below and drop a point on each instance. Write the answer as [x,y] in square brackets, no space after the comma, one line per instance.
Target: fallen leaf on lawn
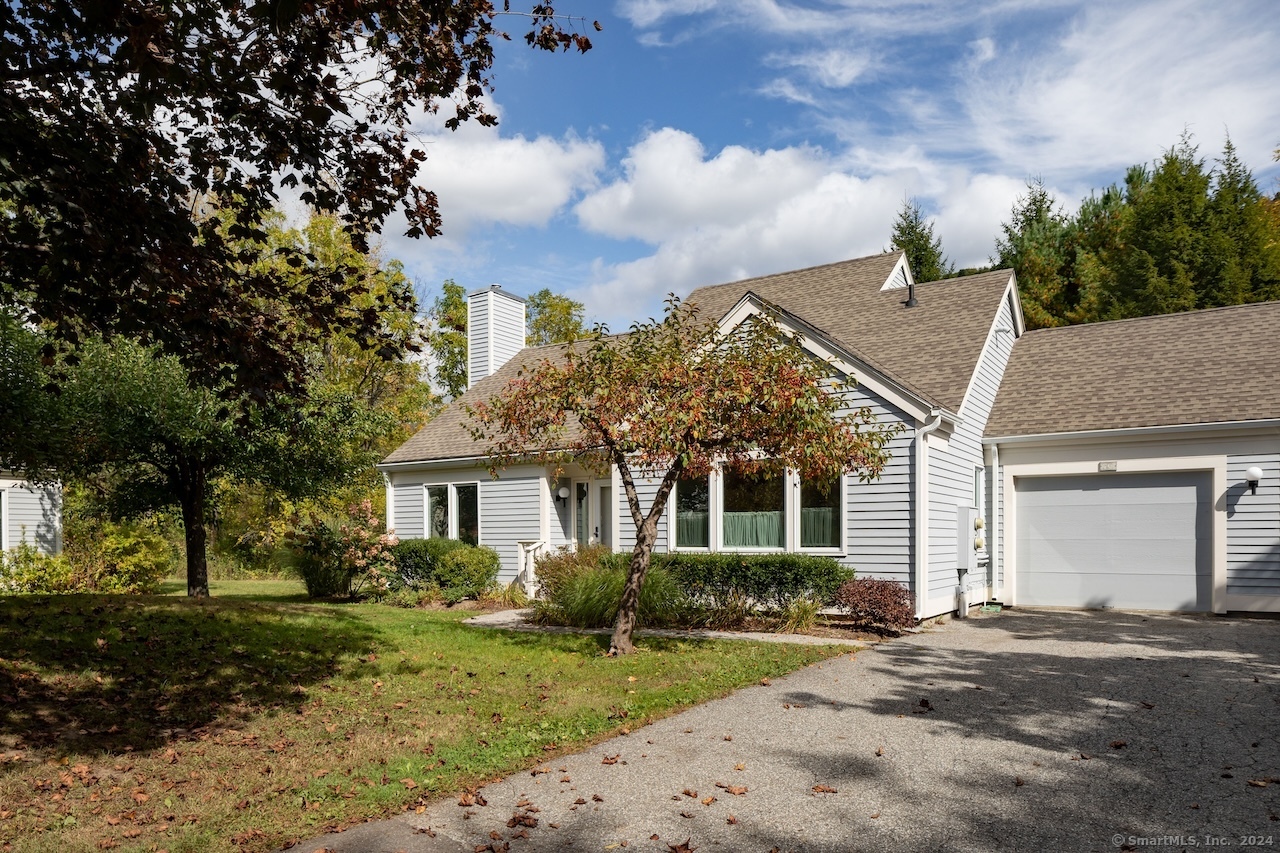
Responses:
[706,801]
[1119,744]
[139,797]
[408,783]
[690,793]
[824,789]
[632,679]
[113,820]
[467,799]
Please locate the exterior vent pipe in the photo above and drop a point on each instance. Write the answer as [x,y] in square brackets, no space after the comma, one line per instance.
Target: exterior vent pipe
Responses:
[911,295]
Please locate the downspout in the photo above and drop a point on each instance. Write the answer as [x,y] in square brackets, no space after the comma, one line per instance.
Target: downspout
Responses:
[922,511]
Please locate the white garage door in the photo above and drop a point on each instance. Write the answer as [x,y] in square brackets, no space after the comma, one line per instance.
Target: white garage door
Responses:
[1135,541]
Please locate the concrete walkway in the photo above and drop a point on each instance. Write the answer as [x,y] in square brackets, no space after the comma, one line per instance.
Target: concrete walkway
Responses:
[1022,731]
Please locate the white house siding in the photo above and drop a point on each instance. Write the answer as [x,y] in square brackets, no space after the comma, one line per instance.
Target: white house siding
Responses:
[33,516]
[478,309]
[409,498]
[509,514]
[646,489]
[879,541]
[508,327]
[951,470]
[1253,526]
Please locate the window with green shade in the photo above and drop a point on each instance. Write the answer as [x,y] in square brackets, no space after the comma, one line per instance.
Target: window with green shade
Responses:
[693,513]
[820,514]
[438,511]
[754,512]
[468,501]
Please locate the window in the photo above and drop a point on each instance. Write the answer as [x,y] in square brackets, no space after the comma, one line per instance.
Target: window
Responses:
[438,511]
[453,512]
[754,512]
[468,498]
[582,512]
[820,514]
[693,513]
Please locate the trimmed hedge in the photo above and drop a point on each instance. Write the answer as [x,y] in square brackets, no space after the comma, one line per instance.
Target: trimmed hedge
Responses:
[771,582]
[459,570]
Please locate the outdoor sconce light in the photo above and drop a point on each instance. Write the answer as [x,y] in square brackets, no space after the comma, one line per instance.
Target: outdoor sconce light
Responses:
[1251,477]
[562,494]
[979,523]
[979,543]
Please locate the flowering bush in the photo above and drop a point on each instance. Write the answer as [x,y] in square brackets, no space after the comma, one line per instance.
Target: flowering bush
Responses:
[343,557]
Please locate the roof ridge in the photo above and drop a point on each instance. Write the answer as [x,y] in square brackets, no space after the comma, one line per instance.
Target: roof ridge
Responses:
[1195,312]
[743,281]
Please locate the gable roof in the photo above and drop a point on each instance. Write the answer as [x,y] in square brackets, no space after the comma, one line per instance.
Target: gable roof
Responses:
[1213,366]
[447,436]
[931,349]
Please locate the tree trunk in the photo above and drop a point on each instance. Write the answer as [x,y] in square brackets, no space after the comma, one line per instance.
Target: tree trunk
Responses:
[625,624]
[193,494]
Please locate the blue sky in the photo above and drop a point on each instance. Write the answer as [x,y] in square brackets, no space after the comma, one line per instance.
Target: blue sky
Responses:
[704,141]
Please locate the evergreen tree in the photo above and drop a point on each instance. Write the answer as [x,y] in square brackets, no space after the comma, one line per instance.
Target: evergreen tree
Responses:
[913,234]
[1035,246]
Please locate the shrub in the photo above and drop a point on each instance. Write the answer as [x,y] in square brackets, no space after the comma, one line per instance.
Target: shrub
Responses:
[590,599]
[772,582]
[129,559]
[417,560]
[873,601]
[342,557]
[466,572]
[26,569]
[554,568]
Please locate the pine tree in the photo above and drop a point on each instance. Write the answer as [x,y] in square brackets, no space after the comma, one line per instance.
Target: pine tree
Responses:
[913,234]
[1036,246]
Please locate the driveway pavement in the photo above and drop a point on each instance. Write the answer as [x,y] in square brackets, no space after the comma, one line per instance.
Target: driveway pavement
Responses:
[1023,731]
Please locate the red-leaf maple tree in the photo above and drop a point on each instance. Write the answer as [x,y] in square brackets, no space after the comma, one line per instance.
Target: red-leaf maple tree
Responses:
[675,398]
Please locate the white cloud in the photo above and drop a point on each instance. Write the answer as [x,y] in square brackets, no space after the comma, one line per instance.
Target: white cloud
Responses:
[832,69]
[741,213]
[786,90]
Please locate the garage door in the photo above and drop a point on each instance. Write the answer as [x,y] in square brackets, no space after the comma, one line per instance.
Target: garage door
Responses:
[1135,541]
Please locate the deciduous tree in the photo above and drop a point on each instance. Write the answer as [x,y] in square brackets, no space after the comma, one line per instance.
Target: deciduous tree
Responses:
[117,119]
[553,318]
[675,398]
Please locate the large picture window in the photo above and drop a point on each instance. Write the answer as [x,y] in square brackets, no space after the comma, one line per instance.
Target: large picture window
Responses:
[693,513]
[754,512]
[820,514]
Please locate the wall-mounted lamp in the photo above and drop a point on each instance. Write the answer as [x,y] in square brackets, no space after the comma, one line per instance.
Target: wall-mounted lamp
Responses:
[1251,477]
[562,494]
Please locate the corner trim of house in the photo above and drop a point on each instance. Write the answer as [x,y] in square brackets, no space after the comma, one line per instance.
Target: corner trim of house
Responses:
[4,519]
[391,501]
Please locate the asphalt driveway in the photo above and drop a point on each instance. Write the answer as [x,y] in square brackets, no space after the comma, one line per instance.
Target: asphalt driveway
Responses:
[1015,731]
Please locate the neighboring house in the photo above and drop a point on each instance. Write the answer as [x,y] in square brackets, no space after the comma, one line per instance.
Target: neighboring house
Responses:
[1098,465]
[29,515]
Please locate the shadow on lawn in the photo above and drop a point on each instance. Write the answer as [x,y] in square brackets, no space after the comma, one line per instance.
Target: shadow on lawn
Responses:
[105,674]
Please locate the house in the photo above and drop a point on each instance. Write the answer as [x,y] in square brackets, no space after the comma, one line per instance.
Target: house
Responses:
[29,514]
[1088,466]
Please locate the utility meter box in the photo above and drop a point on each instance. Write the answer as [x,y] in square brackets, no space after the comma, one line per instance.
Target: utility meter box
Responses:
[966,539]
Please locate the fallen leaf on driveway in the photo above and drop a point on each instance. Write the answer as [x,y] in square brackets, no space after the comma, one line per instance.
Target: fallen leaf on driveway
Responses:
[706,801]
[1258,783]
[1018,781]
[682,847]
[736,790]
[690,793]
[824,789]
[739,767]
[610,759]
[1119,744]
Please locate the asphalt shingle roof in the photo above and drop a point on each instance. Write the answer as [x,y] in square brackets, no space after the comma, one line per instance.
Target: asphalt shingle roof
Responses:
[930,349]
[1212,366]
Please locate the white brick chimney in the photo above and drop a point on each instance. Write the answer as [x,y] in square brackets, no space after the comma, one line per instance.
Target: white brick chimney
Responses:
[495,330]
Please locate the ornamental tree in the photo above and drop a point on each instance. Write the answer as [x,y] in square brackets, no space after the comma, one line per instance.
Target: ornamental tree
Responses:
[675,398]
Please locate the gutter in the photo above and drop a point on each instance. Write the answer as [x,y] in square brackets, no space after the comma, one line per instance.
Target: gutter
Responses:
[1261,424]
[922,510]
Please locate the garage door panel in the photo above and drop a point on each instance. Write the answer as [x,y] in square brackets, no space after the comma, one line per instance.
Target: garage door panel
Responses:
[1128,541]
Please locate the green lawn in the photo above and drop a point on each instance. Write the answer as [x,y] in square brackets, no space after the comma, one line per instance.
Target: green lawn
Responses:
[256,717]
